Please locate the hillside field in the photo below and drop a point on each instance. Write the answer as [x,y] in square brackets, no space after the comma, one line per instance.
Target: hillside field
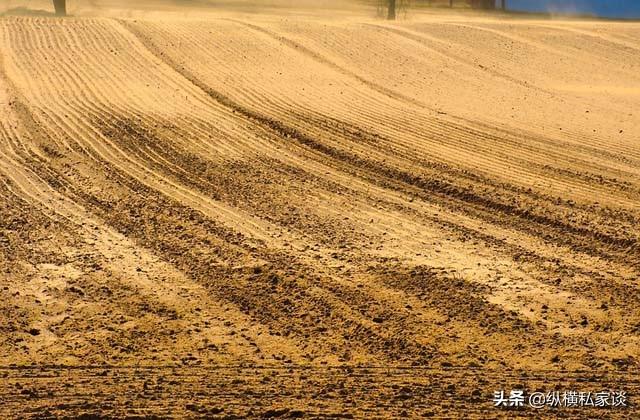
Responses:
[283,211]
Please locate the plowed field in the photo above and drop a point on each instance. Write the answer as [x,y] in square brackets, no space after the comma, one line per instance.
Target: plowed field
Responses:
[298,214]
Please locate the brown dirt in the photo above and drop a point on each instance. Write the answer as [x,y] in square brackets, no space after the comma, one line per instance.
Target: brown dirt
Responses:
[211,212]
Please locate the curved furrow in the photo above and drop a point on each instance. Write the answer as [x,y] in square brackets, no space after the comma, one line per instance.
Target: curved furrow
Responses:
[139,170]
[331,216]
[224,98]
[579,137]
[79,133]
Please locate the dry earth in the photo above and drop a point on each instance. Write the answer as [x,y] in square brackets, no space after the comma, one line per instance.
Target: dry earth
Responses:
[278,212]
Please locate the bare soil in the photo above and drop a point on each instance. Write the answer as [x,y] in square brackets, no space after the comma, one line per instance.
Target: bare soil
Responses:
[292,212]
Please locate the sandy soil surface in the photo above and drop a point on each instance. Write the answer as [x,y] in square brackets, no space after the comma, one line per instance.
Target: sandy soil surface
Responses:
[235,211]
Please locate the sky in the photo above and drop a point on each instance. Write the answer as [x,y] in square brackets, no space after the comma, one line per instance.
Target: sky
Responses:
[604,8]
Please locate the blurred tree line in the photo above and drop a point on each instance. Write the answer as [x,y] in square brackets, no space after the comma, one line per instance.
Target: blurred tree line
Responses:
[391,7]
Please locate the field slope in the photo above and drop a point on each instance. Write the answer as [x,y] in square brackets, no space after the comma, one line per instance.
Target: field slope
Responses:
[251,214]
